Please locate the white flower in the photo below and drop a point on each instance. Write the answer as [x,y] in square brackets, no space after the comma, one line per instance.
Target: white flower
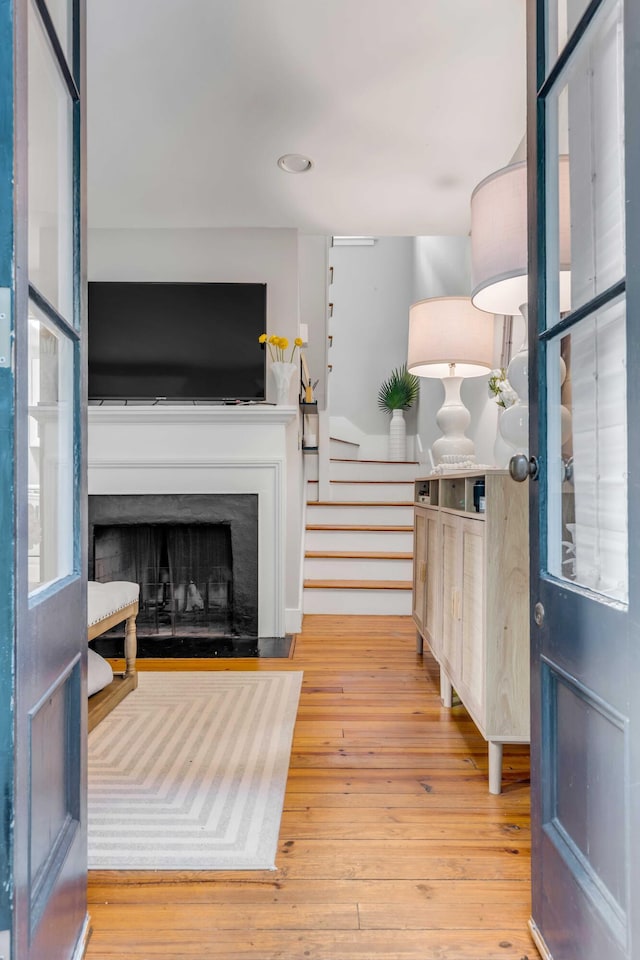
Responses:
[507,394]
[501,390]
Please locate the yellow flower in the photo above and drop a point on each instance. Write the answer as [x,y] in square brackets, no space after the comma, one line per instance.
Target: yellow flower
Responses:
[278,347]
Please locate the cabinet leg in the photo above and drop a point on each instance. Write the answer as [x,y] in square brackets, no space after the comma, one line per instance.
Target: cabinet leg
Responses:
[446,690]
[495,767]
[419,642]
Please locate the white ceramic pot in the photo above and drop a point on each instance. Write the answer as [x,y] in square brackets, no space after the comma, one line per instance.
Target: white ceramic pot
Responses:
[397,436]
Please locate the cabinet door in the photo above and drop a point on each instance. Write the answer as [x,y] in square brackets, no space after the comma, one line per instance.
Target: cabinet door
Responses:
[419,567]
[432,612]
[451,595]
[472,644]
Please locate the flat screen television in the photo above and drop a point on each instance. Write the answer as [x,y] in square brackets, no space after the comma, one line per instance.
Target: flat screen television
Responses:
[176,341]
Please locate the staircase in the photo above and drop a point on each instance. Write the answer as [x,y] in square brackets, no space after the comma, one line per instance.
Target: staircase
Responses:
[359,543]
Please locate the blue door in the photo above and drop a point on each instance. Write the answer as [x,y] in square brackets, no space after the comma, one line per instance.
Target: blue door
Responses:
[42,581]
[584,188]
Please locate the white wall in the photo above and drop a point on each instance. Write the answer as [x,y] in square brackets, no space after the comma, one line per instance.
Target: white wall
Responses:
[371,293]
[441,267]
[313,281]
[234,255]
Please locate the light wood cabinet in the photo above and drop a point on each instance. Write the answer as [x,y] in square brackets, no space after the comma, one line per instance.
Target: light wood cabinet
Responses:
[472,601]
[451,594]
[426,575]
[432,593]
[419,572]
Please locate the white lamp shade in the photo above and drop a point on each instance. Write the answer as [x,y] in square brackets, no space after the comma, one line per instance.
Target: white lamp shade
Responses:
[499,240]
[446,330]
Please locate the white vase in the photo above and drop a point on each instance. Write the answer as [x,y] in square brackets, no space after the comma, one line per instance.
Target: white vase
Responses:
[283,373]
[514,427]
[502,451]
[514,421]
[397,436]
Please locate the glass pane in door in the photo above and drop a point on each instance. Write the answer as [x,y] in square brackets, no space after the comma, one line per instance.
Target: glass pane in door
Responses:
[61,15]
[51,462]
[562,19]
[587,454]
[585,170]
[50,174]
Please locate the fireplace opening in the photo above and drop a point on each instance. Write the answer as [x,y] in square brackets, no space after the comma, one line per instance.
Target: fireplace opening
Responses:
[185,573]
[195,557]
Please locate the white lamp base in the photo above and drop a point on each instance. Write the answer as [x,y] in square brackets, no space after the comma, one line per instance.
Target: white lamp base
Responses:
[453,418]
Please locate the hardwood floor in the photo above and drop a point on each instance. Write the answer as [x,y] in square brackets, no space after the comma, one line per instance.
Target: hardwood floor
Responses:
[391,847]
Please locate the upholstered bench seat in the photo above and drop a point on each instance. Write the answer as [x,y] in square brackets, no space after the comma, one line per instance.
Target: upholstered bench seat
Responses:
[107,605]
[106,599]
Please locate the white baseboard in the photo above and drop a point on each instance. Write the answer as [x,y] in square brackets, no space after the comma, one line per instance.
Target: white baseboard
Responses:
[539,940]
[83,940]
[292,620]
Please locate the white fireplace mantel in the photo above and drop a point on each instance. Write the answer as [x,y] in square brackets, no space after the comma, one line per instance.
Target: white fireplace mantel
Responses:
[238,414]
[203,449]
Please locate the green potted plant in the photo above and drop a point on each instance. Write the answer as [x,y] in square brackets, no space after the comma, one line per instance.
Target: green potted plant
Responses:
[396,395]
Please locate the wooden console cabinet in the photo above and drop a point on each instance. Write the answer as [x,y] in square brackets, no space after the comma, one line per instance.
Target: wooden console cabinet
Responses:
[471,600]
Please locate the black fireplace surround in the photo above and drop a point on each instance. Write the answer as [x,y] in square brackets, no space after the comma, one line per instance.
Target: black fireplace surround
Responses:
[194,555]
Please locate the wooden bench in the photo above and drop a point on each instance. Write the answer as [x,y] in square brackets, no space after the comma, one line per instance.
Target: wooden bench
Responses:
[107,605]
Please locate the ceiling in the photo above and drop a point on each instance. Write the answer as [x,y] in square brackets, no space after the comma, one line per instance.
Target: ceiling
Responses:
[403,106]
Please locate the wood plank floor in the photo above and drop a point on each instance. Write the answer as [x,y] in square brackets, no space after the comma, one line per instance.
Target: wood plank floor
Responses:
[391,847]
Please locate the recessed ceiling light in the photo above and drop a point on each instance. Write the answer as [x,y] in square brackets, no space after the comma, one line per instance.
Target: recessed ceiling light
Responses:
[294,163]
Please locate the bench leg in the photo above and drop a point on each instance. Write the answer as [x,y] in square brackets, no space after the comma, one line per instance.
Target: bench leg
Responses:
[130,645]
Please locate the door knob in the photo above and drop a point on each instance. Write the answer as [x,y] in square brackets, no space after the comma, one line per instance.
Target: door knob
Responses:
[521,467]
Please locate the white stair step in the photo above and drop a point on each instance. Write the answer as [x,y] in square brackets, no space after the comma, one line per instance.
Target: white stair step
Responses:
[332,537]
[375,602]
[373,470]
[343,449]
[332,567]
[377,490]
[360,513]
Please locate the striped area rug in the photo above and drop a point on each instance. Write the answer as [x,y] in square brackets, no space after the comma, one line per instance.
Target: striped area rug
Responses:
[189,772]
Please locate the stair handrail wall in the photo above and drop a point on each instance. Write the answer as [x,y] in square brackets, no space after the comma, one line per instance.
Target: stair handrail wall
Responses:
[324,455]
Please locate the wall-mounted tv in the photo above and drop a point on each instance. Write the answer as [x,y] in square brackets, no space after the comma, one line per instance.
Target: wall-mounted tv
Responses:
[176,341]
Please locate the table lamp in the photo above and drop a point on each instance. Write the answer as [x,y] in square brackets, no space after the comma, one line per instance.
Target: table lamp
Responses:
[450,339]
[499,269]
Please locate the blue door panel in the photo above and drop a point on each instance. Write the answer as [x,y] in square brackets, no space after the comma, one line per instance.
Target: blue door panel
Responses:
[42,637]
[585,668]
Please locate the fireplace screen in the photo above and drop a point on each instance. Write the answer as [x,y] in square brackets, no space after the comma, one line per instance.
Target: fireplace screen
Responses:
[184,571]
